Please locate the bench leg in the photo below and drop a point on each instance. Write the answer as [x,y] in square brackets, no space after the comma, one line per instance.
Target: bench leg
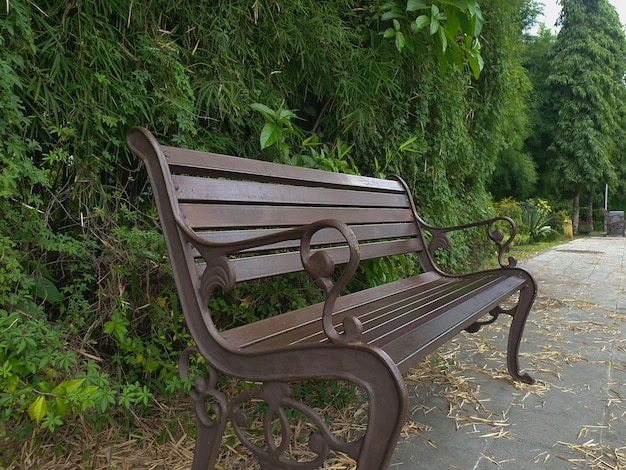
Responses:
[520,313]
[208,440]
[209,427]
[369,369]
[388,404]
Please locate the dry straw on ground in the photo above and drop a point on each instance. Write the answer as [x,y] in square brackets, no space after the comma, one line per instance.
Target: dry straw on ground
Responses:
[165,442]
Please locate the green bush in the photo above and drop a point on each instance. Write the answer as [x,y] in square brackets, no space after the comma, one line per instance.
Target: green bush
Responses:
[86,296]
[536,220]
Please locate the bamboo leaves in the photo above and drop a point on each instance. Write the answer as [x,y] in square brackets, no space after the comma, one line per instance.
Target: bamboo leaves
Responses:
[453,27]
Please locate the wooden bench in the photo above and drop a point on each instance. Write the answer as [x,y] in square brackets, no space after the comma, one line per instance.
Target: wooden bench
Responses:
[227,220]
[614,222]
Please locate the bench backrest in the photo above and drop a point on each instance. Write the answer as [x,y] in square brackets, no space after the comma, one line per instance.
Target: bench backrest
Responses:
[225,199]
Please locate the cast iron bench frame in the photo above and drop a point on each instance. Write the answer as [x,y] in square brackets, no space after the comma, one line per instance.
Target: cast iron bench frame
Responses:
[228,219]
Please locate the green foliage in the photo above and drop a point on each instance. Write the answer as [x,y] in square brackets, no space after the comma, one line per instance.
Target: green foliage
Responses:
[587,85]
[541,114]
[451,28]
[508,207]
[82,266]
[36,364]
[536,219]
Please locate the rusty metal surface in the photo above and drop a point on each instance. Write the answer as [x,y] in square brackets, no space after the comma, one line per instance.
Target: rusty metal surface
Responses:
[227,219]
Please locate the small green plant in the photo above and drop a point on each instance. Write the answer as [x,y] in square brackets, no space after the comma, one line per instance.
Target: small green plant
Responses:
[277,127]
[509,207]
[536,217]
[443,24]
[38,377]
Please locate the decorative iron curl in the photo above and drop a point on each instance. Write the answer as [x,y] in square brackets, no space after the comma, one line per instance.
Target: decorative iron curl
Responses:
[439,240]
[497,236]
[220,273]
[277,395]
[320,266]
[204,389]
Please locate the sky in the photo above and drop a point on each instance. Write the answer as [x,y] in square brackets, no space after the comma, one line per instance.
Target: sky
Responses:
[552,10]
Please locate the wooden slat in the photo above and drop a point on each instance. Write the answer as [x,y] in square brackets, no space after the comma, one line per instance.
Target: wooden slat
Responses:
[210,164]
[386,320]
[327,236]
[374,313]
[190,188]
[424,311]
[223,215]
[417,343]
[249,334]
[261,266]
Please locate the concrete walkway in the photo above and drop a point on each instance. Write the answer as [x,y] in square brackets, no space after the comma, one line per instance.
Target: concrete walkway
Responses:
[468,414]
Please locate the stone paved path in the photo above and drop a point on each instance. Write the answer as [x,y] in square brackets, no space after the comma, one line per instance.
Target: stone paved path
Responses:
[474,417]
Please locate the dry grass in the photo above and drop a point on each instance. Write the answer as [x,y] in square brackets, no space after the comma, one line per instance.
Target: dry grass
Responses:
[166,441]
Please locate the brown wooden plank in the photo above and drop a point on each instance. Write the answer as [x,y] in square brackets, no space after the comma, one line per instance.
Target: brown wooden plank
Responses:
[325,236]
[261,266]
[223,215]
[373,312]
[419,342]
[384,320]
[189,188]
[405,316]
[249,334]
[203,163]
[423,300]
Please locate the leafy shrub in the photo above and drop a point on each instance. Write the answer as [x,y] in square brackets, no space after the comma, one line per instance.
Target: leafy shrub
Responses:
[86,296]
[509,207]
[40,376]
[536,217]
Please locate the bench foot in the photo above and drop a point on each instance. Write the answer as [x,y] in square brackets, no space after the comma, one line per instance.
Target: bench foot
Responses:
[209,429]
[520,312]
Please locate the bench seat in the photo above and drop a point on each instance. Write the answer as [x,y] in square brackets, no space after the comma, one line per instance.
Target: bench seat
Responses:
[407,319]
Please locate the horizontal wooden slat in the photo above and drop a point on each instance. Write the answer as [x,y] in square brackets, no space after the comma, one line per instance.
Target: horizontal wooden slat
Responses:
[224,215]
[406,350]
[210,164]
[327,236]
[250,334]
[384,321]
[377,315]
[256,267]
[189,188]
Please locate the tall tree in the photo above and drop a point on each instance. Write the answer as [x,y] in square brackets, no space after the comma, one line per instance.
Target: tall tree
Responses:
[541,114]
[514,172]
[587,82]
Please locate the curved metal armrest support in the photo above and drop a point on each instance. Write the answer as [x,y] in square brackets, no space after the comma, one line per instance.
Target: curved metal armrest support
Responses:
[440,238]
[320,266]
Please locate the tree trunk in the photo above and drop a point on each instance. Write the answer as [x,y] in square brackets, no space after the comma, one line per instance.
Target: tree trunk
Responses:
[590,210]
[576,210]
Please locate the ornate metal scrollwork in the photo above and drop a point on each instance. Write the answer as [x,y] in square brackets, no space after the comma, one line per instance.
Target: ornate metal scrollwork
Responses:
[497,236]
[277,433]
[320,266]
[203,391]
[439,240]
[494,314]
[220,273]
